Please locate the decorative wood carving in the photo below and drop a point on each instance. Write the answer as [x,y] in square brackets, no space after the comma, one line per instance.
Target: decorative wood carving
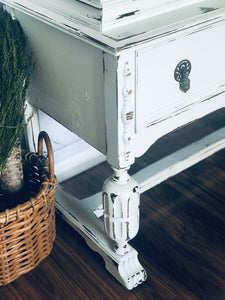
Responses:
[127,114]
[121,201]
[80,214]
[129,270]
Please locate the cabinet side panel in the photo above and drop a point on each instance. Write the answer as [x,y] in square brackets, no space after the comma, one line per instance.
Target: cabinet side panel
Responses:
[68,80]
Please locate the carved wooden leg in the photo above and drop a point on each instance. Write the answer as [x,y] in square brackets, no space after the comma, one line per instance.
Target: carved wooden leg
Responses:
[85,217]
[121,221]
[121,200]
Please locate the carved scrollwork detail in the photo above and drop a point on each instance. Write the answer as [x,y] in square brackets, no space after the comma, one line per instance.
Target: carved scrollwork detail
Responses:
[127,114]
[129,272]
[121,200]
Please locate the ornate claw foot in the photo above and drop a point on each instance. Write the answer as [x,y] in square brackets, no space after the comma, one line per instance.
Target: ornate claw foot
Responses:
[81,214]
[128,270]
[124,268]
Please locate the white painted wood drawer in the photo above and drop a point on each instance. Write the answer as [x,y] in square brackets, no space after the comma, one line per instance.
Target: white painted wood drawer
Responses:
[158,96]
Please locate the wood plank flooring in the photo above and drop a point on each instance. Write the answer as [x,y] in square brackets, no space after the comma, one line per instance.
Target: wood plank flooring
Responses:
[181,241]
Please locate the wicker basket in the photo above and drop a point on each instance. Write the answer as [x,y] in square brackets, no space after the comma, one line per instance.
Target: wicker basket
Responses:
[27,232]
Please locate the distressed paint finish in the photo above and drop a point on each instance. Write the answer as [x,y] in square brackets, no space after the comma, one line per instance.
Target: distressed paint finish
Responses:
[162,107]
[126,107]
[127,114]
[63,17]
[164,98]
[100,15]
[121,201]
[80,214]
[188,156]
[65,85]
[119,108]
[106,71]
[145,138]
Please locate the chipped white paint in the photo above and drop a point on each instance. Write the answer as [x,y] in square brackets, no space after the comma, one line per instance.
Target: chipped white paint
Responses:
[100,15]
[65,85]
[158,95]
[79,213]
[119,108]
[85,214]
[121,201]
[205,105]
[106,71]
[127,114]
[62,15]
[180,160]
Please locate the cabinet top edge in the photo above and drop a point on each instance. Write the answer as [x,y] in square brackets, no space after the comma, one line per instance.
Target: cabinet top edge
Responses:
[124,37]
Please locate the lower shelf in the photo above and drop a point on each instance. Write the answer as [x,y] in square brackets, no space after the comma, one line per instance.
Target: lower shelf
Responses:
[85,215]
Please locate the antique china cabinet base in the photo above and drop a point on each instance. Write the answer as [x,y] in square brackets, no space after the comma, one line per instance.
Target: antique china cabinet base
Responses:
[121,74]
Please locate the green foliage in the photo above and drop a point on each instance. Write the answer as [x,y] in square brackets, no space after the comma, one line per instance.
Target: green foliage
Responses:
[15,70]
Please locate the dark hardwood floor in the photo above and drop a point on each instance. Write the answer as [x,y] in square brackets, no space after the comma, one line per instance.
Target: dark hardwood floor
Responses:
[181,241]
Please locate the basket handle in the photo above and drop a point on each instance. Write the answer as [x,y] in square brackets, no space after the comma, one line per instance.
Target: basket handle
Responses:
[44,135]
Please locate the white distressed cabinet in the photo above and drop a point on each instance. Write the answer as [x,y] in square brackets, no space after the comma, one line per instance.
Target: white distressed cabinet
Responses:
[121,74]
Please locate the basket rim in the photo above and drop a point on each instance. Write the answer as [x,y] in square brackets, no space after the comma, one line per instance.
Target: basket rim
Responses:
[12,214]
[49,183]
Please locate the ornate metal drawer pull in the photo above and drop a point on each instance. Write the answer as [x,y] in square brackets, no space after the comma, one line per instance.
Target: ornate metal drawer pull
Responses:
[181,73]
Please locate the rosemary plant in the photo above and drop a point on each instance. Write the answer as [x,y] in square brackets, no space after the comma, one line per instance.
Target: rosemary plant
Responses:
[15,71]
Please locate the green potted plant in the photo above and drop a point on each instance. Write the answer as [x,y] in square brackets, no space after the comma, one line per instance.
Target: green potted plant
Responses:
[15,71]
[27,188]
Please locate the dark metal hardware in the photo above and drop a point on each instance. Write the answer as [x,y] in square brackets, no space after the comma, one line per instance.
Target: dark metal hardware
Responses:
[181,73]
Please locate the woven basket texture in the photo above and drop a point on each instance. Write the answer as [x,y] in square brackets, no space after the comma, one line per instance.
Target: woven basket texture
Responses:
[27,231]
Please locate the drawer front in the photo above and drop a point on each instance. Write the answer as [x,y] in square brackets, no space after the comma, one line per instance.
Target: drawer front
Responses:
[158,94]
